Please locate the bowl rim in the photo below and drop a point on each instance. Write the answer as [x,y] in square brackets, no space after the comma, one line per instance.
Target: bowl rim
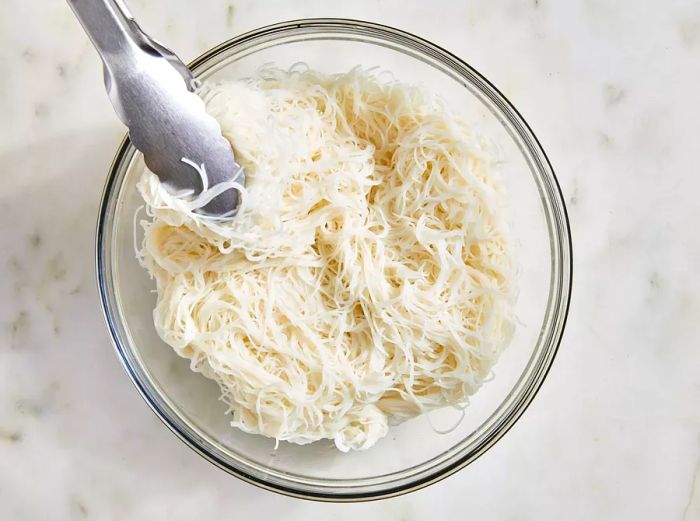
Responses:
[564,277]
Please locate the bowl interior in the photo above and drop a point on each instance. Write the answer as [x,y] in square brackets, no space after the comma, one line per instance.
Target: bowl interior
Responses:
[412,451]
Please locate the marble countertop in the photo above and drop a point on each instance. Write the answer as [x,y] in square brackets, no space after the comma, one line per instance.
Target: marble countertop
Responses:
[611,92]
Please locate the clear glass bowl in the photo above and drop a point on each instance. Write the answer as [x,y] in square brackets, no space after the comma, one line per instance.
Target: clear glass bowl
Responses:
[413,455]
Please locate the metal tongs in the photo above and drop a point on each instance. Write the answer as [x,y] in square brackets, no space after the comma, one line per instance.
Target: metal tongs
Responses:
[152,92]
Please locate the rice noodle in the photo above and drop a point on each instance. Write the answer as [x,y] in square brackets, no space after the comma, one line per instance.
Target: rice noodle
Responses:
[366,278]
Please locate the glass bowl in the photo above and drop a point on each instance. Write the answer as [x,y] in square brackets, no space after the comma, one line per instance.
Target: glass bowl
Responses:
[413,455]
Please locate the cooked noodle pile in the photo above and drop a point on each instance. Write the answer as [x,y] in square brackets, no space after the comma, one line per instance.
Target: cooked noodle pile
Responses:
[366,278]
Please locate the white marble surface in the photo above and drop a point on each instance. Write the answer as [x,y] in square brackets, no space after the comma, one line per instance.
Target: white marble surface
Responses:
[612,92]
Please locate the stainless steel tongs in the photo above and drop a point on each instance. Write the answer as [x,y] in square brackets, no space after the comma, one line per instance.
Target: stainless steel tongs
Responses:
[151,91]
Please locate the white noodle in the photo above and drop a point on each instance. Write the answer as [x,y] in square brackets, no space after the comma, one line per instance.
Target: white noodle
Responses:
[366,276]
